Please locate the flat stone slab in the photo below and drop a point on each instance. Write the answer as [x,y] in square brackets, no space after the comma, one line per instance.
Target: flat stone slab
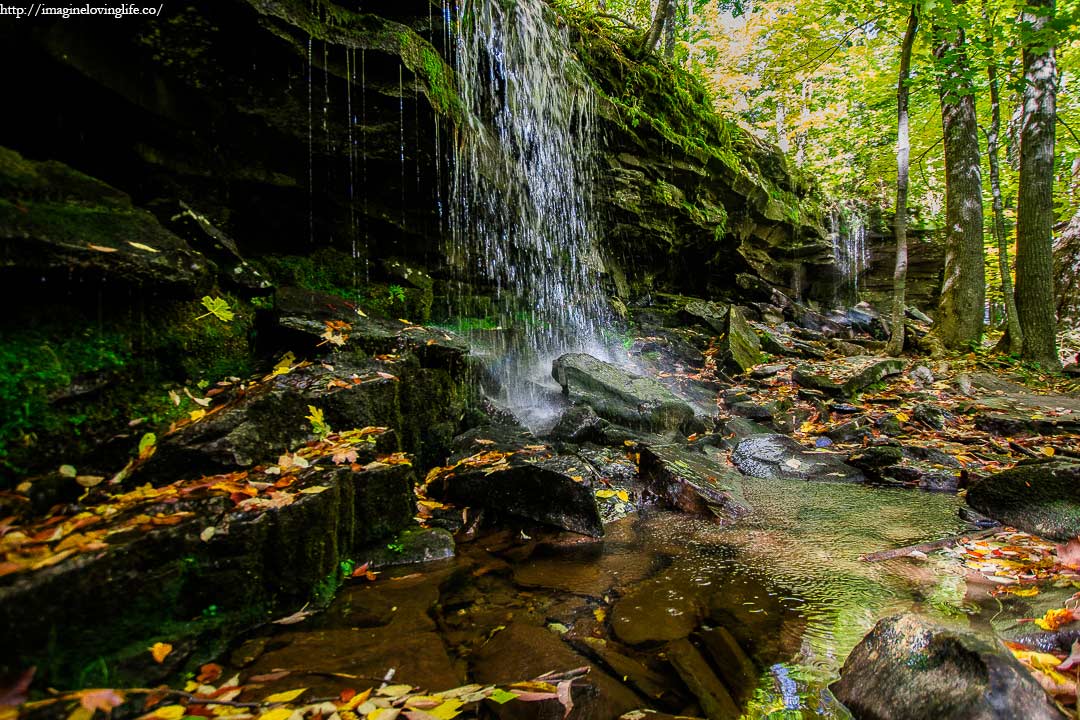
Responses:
[692,482]
[636,402]
[1027,414]
[909,668]
[1041,498]
[773,457]
[846,376]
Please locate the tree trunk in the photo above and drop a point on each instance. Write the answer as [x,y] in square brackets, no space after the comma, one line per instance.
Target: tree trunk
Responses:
[959,320]
[1035,206]
[903,164]
[669,31]
[1013,333]
[656,29]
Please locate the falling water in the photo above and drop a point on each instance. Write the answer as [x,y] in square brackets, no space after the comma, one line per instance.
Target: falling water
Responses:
[850,252]
[522,213]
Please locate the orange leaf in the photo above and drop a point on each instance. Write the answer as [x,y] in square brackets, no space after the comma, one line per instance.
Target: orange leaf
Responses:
[160,650]
[104,700]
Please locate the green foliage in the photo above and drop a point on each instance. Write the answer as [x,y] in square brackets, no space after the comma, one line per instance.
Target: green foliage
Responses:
[396,293]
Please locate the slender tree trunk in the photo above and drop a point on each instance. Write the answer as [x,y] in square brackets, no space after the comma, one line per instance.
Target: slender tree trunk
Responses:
[669,31]
[903,165]
[959,320]
[1035,203]
[1014,335]
[656,29]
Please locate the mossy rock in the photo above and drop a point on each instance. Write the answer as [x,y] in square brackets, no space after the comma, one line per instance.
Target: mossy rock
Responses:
[1040,498]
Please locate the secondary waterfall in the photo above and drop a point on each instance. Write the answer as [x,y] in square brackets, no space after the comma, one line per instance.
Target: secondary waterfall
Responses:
[847,229]
[521,215]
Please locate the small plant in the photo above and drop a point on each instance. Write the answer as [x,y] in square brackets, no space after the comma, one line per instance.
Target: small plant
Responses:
[396,547]
[396,293]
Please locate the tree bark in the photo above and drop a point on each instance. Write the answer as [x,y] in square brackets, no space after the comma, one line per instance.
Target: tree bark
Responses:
[959,321]
[1014,335]
[903,165]
[1035,206]
[656,29]
[669,31]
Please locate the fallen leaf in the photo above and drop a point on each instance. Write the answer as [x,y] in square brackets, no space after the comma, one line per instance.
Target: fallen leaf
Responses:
[101,248]
[282,713]
[104,700]
[140,246]
[68,471]
[160,651]
[314,490]
[209,673]
[207,533]
[169,712]
[286,696]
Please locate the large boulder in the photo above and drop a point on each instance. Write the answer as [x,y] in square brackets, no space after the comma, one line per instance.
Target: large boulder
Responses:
[1042,498]
[693,482]
[738,344]
[778,457]
[524,479]
[620,397]
[908,668]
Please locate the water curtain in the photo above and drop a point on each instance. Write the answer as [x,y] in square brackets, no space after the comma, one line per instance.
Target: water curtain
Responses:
[522,220]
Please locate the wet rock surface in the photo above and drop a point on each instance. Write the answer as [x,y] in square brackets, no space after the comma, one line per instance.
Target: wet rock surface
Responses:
[620,397]
[692,482]
[912,669]
[1042,498]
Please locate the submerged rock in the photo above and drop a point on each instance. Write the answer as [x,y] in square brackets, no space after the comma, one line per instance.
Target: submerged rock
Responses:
[699,677]
[527,651]
[773,457]
[1041,498]
[908,668]
[634,401]
[848,375]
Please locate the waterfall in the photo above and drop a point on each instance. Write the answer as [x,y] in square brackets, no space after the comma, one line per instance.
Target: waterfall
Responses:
[522,220]
[847,230]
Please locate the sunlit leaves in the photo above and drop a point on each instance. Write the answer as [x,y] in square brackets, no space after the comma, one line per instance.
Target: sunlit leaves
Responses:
[159,651]
[218,307]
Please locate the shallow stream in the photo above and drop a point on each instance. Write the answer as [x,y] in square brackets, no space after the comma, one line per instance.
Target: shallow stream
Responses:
[786,584]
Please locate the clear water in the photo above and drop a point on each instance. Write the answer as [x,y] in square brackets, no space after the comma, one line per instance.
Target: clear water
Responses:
[521,217]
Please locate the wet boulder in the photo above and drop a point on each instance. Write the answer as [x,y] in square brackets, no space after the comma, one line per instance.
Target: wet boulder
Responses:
[620,397]
[528,481]
[773,457]
[692,482]
[578,424]
[846,376]
[259,421]
[712,315]
[1040,498]
[909,668]
[738,344]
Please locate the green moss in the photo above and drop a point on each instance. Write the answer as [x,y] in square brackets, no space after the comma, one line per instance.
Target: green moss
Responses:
[332,23]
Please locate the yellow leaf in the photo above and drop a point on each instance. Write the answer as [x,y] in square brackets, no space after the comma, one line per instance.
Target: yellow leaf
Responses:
[1022,591]
[81,713]
[806,427]
[280,713]
[447,710]
[623,495]
[600,614]
[1048,451]
[394,691]
[160,650]
[902,417]
[197,414]
[100,248]
[170,712]
[314,489]
[357,700]
[284,697]
[605,494]
[403,320]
